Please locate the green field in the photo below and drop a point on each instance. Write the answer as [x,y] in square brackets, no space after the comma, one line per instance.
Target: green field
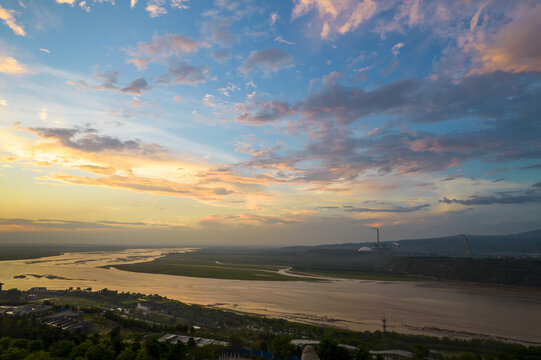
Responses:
[182,265]
[237,266]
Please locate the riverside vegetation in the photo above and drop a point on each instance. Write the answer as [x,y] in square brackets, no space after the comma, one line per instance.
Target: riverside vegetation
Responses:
[262,264]
[123,332]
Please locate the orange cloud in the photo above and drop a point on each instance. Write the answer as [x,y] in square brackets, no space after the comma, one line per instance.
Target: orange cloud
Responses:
[10,65]
[514,48]
[136,166]
[337,16]
[8,18]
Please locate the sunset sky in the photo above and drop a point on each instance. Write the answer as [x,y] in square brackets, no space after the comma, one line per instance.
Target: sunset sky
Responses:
[268,122]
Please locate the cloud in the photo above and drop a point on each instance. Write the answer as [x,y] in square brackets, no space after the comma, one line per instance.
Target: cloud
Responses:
[336,17]
[155,8]
[160,48]
[58,224]
[453,177]
[396,209]
[133,3]
[220,32]
[179,4]
[109,82]
[396,48]
[283,41]
[208,100]
[108,79]
[80,85]
[45,50]
[244,219]
[7,16]
[87,140]
[136,87]
[84,6]
[257,113]
[220,55]
[184,73]
[505,198]
[69,2]
[513,48]
[10,65]
[272,19]
[501,110]
[490,96]
[134,165]
[272,59]
[530,167]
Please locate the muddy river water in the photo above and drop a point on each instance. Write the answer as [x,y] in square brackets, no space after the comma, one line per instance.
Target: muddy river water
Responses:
[431,308]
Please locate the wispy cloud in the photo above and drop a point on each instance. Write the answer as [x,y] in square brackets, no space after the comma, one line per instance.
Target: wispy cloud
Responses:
[9,19]
[396,48]
[280,39]
[336,17]
[505,198]
[396,209]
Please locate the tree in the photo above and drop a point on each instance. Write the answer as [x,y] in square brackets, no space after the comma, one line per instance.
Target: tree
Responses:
[61,348]
[40,355]
[35,345]
[282,346]
[116,340]
[329,350]
[421,352]
[100,352]
[236,341]
[127,354]
[177,352]
[362,353]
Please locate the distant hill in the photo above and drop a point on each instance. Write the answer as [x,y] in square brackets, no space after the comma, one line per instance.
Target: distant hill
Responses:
[521,244]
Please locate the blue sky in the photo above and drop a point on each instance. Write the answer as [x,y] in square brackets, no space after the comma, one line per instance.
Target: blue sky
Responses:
[258,122]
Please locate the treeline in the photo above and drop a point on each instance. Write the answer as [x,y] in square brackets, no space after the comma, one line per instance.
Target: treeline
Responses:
[142,325]
[508,271]
[27,339]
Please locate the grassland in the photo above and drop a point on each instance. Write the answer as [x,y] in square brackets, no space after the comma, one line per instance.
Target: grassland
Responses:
[182,265]
[256,265]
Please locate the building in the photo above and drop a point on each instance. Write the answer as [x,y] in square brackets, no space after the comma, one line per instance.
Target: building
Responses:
[173,339]
[392,354]
[307,342]
[69,321]
[149,306]
[25,310]
[37,291]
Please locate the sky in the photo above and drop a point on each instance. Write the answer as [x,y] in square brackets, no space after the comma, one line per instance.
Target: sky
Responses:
[268,122]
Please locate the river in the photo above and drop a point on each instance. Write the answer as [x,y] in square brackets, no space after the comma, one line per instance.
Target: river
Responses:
[429,308]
